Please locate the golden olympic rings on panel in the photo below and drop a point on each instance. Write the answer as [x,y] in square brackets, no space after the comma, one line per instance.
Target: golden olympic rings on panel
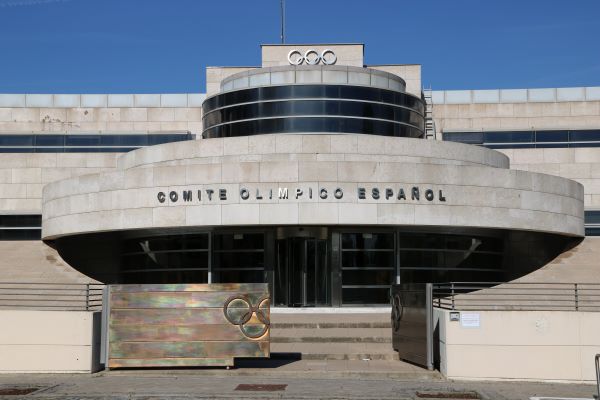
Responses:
[243,317]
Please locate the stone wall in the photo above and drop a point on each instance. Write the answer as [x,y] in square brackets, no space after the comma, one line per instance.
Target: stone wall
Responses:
[214,76]
[411,73]
[522,116]
[579,164]
[49,341]
[520,345]
[23,175]
[100,113]
[527,109]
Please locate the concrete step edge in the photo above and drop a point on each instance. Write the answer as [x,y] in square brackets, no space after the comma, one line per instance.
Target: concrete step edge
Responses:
[340,357]
[316,339]
[330,325]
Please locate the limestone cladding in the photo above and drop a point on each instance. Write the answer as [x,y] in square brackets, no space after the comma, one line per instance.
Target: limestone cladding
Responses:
[579,164]
[524,116]
[23,175]
[292,147]
[214,76]
[202,184]
[411,73]
[101,113]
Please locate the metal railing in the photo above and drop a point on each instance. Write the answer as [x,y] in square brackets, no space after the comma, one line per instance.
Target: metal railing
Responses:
[51,296]
[521,296]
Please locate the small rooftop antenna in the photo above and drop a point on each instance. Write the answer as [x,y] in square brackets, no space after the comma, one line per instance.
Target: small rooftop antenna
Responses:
[282,5]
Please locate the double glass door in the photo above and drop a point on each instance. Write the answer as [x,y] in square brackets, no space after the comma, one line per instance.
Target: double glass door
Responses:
[302,277]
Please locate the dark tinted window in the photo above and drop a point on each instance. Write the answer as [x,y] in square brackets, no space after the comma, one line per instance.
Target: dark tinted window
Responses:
[313,107]
[222,113]
[84,143]
[16,140]
[508,137]
[592,217]
[446,258]
[552,136]
[464,137]
[313,124]
[20,227]
[13,221]
[592,231]
[238,257]
[82,140]
[529,139]
[50,140]
[587,135]
[313,91]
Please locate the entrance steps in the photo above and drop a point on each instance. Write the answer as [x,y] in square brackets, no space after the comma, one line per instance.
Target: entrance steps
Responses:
[332,336]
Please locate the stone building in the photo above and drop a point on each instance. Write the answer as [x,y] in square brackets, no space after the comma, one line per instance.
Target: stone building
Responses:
[325,177]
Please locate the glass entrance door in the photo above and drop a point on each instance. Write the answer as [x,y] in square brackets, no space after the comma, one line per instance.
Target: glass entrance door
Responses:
[302,274]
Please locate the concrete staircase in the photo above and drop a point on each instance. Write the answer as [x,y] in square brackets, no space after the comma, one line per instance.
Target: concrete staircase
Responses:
[329,336]
[581,264]
[34,276]
[35,262]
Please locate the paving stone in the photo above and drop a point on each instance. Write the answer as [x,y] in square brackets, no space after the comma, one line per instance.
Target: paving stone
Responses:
[323,382]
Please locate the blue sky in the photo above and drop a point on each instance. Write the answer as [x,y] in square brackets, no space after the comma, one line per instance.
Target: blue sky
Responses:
[150,46]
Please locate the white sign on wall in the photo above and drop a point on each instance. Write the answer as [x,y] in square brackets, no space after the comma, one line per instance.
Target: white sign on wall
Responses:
[470,320]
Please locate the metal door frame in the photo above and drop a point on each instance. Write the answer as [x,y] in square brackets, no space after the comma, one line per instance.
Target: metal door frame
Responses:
[291,261]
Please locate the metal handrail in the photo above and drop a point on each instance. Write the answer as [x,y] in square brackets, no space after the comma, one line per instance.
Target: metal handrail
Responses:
[524,296]
[51,296]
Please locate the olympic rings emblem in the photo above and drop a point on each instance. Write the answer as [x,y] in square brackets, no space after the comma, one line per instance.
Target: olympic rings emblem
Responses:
[397,312]
[312,57]
[243,318]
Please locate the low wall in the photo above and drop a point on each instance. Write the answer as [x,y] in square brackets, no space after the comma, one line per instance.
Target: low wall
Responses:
[519,345]
[49,341]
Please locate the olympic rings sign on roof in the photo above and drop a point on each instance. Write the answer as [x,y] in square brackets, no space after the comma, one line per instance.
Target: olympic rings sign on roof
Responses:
[312,57]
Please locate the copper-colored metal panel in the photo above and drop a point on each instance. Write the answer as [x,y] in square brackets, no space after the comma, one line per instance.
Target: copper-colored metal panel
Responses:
[176,333]
[193,287]
[170,362]
[170,300]
[205,349]
[175,316]
[187,325]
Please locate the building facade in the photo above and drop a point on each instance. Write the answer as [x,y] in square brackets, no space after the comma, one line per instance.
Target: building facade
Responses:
[322,176]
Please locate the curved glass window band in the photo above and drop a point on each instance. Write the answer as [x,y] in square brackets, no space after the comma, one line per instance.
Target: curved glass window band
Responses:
[313,108]
[378,103]
[315,117]
[313,124]
[313,91]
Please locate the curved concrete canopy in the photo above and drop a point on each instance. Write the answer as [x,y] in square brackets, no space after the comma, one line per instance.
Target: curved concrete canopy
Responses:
[313,180]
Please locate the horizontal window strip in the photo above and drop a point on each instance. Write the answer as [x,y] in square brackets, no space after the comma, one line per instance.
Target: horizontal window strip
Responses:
[528,138]
[20,221]
[85,143]
[20,227]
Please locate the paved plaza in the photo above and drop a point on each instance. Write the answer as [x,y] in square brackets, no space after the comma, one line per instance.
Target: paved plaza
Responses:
[294,380]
